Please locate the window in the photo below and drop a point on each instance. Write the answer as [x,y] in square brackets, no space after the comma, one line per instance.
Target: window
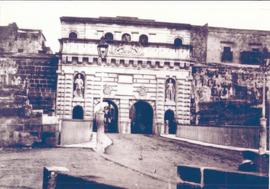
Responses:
[22,35]
[109,37]
[227,55]
[143,40]
[251,57]
[126,37]
[72,35]
[178,43]
[20,50]
[255,49]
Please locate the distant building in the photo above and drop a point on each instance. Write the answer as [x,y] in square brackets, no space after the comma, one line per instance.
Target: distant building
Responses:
[16,40]
[27,70]
[227,84]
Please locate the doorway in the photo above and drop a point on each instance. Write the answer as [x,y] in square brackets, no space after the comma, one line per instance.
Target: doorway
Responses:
[77,112]
[141,118]
[170,122]
[110,117]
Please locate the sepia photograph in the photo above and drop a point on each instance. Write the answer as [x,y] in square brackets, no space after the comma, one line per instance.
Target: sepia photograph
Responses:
[134,94]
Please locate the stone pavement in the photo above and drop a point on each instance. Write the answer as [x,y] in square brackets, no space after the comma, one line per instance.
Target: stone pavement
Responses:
[93,143]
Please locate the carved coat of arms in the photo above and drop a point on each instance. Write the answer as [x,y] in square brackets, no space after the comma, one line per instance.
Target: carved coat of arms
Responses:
[126,50]
[107,90]
[142,91]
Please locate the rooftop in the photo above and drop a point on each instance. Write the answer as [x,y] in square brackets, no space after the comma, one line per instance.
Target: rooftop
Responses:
[13,26]
[123,20]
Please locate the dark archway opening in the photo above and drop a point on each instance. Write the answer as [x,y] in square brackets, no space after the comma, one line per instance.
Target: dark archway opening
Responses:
[77,112]
[170,121]
[110,118]
[141,118]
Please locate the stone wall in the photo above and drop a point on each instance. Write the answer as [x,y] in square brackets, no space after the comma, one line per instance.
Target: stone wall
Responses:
[75,132]
[199,43]
[59,177]
[192,177]
[239,136]
[41,74]
[27,70]
[17,132]
[28,77]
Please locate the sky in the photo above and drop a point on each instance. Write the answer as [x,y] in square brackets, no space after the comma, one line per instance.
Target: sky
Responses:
[45,15]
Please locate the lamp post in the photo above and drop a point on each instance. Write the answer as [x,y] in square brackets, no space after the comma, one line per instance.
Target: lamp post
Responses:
[265,65]
[102,49]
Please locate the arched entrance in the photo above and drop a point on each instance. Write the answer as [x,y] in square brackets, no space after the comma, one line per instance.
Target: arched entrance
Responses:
[170,122]
[111,117]
[77,112]
[141,114]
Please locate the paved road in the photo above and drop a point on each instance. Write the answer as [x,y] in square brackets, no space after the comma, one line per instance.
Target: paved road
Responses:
[133,161]
[160,156]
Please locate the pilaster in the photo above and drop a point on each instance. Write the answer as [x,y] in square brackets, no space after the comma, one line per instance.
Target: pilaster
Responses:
[183,88]
[89,101]
[64,95]
[160,97]
[124,116]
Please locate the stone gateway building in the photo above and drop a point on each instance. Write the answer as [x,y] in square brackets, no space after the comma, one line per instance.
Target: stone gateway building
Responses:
[145,77]
[156,75]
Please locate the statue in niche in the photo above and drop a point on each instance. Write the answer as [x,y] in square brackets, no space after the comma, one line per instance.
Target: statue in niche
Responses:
[26,85]
[17,80]
[170,90]
[27,108]
[79,86]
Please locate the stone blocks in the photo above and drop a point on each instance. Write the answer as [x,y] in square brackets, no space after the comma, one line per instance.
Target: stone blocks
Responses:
[222,135]
[50,175]
[190,174]
[212,178]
